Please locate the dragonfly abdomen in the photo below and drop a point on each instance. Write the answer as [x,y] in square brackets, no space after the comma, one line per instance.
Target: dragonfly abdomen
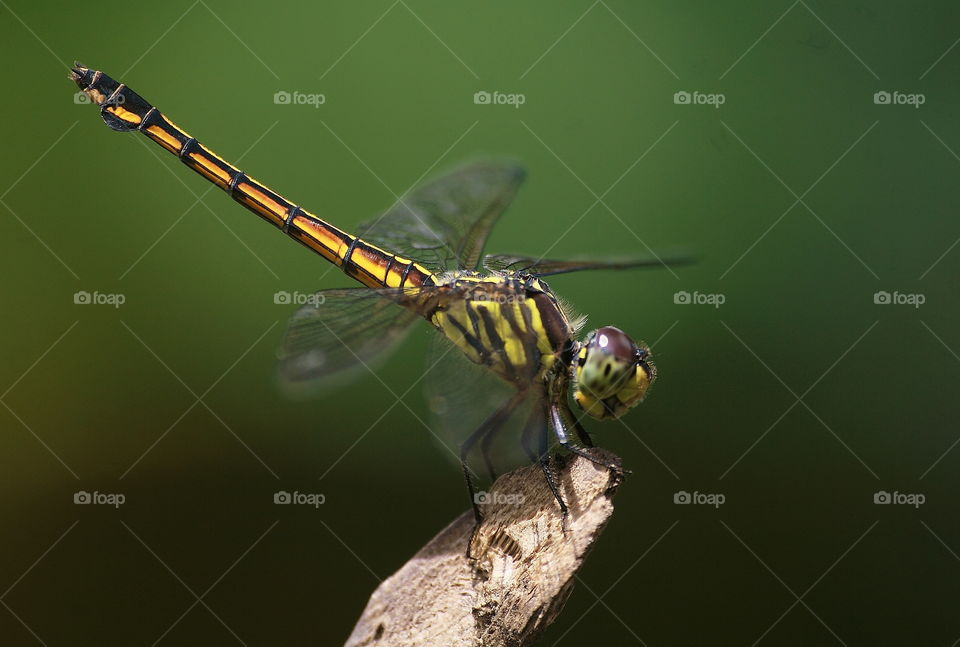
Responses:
[124,110]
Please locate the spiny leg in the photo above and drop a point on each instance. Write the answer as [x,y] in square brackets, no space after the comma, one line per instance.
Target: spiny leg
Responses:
[558,420]
[582,434]
[489,426]
[548,473]
[536,426]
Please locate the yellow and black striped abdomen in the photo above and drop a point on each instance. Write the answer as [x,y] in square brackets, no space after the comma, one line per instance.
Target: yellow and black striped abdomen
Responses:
[499,322]
[124,110]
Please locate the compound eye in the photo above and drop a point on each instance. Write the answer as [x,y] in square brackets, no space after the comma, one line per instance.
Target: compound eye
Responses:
[610,358]
[615,343]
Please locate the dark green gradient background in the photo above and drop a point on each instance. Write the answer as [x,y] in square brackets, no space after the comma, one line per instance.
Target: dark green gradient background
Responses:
[799,509]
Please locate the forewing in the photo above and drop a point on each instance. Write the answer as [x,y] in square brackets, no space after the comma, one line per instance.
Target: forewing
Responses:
[445,222]
[547,267]
[343,328]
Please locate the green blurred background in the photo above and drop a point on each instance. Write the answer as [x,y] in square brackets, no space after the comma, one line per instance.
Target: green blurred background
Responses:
[104,399]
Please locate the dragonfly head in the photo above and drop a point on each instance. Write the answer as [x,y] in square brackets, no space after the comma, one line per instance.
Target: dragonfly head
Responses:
[613,373]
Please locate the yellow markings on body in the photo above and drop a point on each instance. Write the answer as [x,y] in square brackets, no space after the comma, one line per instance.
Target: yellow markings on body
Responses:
[217,157]
[512,344]
[164,138]
[543,339]
[122,113]
[515,361]
[445,322]
[207,175]
[634,389]
[216,174]
[484,337]
[182,131]
[395,275]
[591,405]
[629,393]
[371,262]
[393,278]
[264,201]
[627,396]
[321,240]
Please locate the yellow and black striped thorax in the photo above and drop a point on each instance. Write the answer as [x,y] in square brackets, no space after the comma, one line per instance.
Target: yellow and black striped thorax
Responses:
[124,110]
[509,322]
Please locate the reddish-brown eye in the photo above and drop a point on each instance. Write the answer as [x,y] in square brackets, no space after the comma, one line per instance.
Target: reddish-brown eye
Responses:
[613,373]
[614,342]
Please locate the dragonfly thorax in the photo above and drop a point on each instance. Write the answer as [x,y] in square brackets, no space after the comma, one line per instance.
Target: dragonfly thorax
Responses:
[509,322]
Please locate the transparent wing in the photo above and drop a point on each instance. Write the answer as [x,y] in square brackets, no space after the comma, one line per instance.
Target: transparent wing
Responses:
[546,267]
[460,396]
[445,222]
[344,328]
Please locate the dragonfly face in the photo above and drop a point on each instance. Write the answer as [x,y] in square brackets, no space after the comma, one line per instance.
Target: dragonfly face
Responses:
[613,373]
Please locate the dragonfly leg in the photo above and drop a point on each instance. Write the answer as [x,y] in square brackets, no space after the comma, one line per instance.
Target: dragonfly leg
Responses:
[582,433]
[558,420]
[488,427]
[548,473]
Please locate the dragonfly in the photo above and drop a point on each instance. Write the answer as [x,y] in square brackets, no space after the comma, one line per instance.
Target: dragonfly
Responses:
[423,259]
